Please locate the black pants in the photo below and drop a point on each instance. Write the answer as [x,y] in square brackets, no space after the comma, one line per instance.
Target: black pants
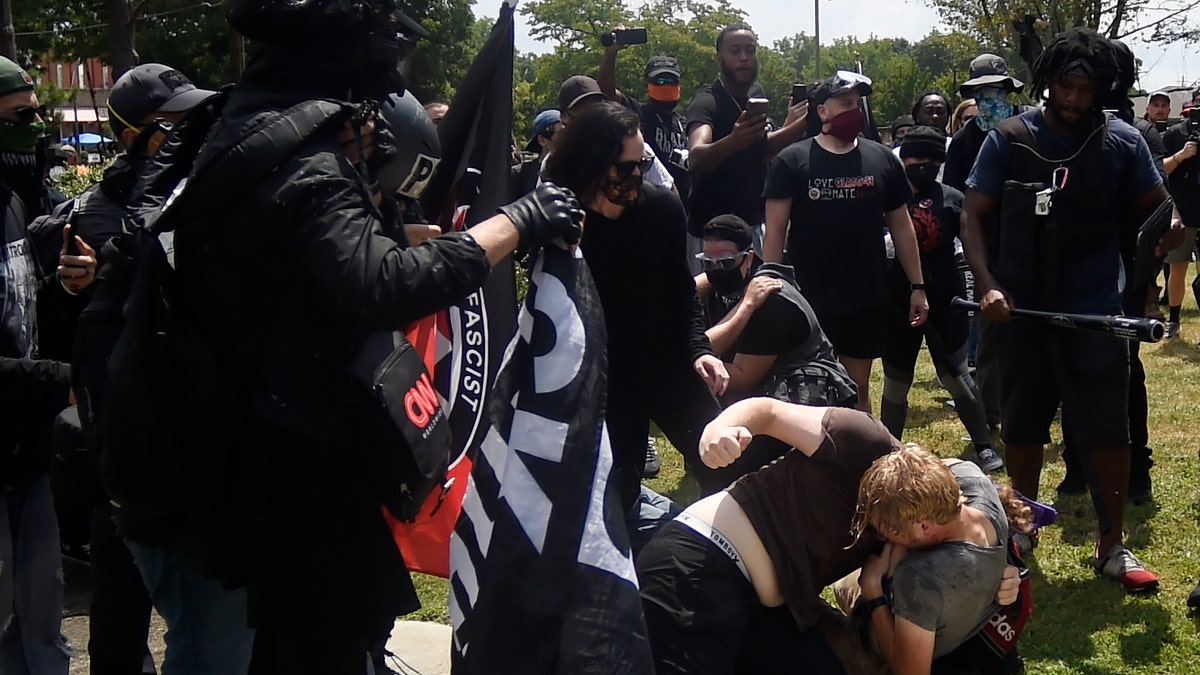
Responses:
[120,609]
[679,402]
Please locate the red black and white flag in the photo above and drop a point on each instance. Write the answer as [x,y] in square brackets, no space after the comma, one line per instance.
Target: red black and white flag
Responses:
[542,578]
[462,346]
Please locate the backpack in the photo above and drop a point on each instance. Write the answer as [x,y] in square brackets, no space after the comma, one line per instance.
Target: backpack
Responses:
[155,401]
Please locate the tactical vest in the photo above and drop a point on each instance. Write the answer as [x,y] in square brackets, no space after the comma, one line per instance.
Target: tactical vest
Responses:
[1051,209]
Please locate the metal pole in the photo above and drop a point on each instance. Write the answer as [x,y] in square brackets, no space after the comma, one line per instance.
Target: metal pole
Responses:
[817,36]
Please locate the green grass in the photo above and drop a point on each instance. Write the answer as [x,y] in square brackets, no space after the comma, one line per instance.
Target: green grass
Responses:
[1081,624]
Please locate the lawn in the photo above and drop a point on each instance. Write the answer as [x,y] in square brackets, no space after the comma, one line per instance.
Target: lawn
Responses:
[1081,624]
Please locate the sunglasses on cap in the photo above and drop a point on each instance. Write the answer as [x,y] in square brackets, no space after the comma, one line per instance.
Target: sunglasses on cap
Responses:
[625,169]
[723,264]
[29,115]
[664,80]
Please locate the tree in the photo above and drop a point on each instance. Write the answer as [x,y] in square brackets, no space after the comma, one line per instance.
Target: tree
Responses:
[989,21]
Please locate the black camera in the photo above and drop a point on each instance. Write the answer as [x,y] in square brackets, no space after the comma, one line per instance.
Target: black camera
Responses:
[625,36]
[1193,124]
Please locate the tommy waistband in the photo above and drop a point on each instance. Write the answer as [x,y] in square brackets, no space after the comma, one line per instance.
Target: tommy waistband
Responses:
[714,535]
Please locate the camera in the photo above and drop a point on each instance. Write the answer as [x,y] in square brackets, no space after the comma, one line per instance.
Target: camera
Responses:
[679,158]
[1193,124]
[624,36]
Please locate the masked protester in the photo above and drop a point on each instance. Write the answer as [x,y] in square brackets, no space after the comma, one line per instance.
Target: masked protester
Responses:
[285,282]
[990,85]
[838,191]
[661,366]
[1066,186]
[662,126]
[935,210]
[35,390]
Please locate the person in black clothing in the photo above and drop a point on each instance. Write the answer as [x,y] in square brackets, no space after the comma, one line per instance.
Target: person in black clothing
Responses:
[661,366]
[523,178]
[990,84]
[900,127]
[1134,304]
[829,199]
[662,125]
[1184,169]
[729,149]
[1029,45]
[935,210]
[302,266]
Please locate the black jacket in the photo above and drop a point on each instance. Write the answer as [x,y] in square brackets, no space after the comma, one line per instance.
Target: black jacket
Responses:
[288,276]
[32,393]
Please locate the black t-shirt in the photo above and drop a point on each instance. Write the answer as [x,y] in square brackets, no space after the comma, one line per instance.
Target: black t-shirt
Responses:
[1184,182]
[835,241]
[736,185]
[639,264]
[935,217]
[666,133]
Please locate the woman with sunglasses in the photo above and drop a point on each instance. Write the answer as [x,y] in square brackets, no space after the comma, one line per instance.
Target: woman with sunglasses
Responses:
[661,366]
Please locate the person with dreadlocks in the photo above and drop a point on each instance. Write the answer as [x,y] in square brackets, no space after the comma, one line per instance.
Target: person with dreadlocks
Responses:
[1052,197]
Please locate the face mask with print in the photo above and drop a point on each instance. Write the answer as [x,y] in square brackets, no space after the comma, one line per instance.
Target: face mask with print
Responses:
[994,108]
[624,190]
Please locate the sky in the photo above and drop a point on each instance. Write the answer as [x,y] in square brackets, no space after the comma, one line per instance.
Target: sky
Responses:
[912,19]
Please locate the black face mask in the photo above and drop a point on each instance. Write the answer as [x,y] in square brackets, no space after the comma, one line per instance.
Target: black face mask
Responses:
[624,190]
[922,176]
[726,282]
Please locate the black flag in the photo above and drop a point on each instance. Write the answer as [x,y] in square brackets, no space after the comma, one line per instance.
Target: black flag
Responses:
[542,578]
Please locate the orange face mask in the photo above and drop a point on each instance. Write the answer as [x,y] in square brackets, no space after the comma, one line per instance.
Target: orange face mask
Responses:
[667,93]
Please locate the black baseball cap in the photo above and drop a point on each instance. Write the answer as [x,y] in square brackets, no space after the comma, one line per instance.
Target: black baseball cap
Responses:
[989,70]
[576,88]
[901,122]
[150,88]
[841,82]
[661,65]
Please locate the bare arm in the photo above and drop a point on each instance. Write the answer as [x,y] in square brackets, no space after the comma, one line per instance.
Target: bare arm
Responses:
[748,370]
[727,436]
[1172,162]
[904,238]
[607,77]
[979,209]
[778,212]
[730,327]
[792,130]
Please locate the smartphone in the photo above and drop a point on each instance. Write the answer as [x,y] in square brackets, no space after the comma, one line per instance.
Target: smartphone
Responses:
[757,106]
[630,36]
[799,92]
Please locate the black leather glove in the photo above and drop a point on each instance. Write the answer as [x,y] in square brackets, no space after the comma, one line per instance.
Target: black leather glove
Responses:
[549,212]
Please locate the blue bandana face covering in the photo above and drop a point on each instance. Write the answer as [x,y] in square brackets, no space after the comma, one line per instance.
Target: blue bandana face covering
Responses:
[994,107]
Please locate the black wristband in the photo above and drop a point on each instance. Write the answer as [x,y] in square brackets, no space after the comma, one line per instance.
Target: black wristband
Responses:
[869,606]
[918,287]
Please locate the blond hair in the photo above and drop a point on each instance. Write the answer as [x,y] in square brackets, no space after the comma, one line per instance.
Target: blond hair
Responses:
[903,488]
[956,120]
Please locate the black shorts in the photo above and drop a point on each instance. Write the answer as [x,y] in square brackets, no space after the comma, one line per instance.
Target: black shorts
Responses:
[861,335]
[1042,366]
[703,615]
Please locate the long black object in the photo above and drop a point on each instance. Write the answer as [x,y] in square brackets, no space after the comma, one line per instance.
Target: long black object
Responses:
[1129,328]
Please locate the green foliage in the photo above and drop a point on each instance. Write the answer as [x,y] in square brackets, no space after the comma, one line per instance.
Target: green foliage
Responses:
[71,183]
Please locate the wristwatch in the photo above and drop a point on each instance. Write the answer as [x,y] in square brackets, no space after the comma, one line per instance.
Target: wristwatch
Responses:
[870,606]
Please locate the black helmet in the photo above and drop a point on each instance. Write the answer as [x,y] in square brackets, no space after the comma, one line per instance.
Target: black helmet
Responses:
[1126,66]
[417,141]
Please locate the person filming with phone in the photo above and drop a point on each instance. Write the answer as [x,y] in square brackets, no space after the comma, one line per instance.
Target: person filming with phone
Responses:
[730,137]
[662,125]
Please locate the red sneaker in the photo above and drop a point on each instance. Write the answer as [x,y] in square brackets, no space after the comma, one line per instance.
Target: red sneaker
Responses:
[1121,564]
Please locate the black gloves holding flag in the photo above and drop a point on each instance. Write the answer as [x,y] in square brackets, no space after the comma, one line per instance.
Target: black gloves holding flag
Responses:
[549,212]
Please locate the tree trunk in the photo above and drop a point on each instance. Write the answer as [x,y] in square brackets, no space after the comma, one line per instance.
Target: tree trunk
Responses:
[122,55]
[8,35]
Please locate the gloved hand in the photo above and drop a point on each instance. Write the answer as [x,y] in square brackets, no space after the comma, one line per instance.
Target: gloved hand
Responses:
[549,212]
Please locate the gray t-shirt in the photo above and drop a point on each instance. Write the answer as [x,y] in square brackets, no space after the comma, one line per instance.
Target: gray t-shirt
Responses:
[951,589]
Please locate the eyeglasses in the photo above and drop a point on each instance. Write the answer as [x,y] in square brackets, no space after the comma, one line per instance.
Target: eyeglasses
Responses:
[29,115]
[665,79]
[724,264]
[625,169]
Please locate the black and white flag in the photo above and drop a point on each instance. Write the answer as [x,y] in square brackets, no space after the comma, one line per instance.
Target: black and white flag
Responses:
[542,579]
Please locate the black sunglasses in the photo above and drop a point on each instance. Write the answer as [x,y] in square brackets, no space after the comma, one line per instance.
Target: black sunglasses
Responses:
[724,264]
[665,79]
[625,169]
[29,115]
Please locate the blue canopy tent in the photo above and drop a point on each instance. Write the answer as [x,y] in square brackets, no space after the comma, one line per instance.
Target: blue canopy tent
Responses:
[87,138]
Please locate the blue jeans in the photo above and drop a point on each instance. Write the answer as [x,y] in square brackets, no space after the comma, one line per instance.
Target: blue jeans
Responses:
[207,631]
[31,584]
[651,512]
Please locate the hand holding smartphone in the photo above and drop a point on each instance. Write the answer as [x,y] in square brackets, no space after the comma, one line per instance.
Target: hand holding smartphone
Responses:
[757,106]
[799,92]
